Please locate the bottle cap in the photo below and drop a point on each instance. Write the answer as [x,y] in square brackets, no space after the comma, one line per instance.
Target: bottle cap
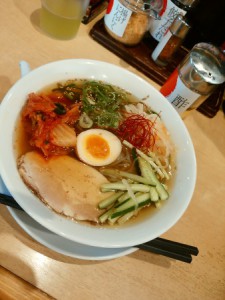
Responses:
[180,27]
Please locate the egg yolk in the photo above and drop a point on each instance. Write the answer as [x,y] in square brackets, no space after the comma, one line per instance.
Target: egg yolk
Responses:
[97,146]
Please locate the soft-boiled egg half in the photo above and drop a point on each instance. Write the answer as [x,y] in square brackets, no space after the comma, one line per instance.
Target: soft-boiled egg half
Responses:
[98,147]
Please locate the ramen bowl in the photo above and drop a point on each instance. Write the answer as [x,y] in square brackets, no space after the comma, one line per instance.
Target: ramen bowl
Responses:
[148,228]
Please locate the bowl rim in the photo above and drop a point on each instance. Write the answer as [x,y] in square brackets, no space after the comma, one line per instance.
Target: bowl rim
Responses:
[58,224]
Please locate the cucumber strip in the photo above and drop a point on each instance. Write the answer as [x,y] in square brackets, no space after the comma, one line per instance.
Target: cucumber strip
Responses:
[124,197]
[140,199]
[112,221]
[151,162]
[129,190]
[131,176]
[135,158]
[158,162]
[109,200]
[125,218]
[130,205]
[147,171]
[105,215]
[121,203]
[163,194]
[136,187]
[147,158]
[154,196]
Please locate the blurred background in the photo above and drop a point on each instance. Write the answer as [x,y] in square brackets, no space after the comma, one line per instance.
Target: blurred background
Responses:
[207,19]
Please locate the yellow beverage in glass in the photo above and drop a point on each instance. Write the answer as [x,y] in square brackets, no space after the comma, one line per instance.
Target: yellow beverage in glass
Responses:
[61,18]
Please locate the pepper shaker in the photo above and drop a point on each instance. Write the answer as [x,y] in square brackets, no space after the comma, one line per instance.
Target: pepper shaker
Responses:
[196,78]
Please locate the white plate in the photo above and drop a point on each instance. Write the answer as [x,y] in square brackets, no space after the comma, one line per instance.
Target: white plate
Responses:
[60,244]
[127,236]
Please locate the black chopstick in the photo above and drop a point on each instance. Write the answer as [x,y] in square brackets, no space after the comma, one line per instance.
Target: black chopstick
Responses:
[160,246]
[170,249]
[182,248]
[9,201]
[185,257]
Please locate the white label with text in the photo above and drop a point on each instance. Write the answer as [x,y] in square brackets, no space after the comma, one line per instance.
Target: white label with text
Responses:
[159,27]
[117,19]
[182,97]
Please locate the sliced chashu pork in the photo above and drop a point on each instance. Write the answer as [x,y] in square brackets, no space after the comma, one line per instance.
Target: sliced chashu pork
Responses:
[68,186]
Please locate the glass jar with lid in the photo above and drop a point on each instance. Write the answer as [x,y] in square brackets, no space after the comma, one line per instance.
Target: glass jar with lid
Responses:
[127,20]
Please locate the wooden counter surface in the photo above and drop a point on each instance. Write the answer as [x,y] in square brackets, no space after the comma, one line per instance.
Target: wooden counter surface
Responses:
[139,275]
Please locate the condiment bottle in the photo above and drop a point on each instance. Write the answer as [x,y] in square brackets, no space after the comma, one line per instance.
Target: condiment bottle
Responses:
[198,75]
[168,11]
[171,41]
[127,20]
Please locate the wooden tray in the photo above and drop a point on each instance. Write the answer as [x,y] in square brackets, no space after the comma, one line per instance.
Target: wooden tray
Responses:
[140,58]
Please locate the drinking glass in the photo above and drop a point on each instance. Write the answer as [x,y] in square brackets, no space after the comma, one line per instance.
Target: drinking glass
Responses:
[61,18]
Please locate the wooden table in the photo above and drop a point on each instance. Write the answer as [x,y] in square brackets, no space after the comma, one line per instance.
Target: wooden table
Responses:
[139,275]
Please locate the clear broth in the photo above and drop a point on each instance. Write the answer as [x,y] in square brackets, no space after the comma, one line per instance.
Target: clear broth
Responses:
[22,146]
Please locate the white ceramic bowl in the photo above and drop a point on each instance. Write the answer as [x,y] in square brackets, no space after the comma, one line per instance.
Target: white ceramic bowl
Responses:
[161,220]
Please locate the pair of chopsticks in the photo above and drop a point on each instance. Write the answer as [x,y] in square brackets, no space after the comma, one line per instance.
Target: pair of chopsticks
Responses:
[175,250]
[170,249]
